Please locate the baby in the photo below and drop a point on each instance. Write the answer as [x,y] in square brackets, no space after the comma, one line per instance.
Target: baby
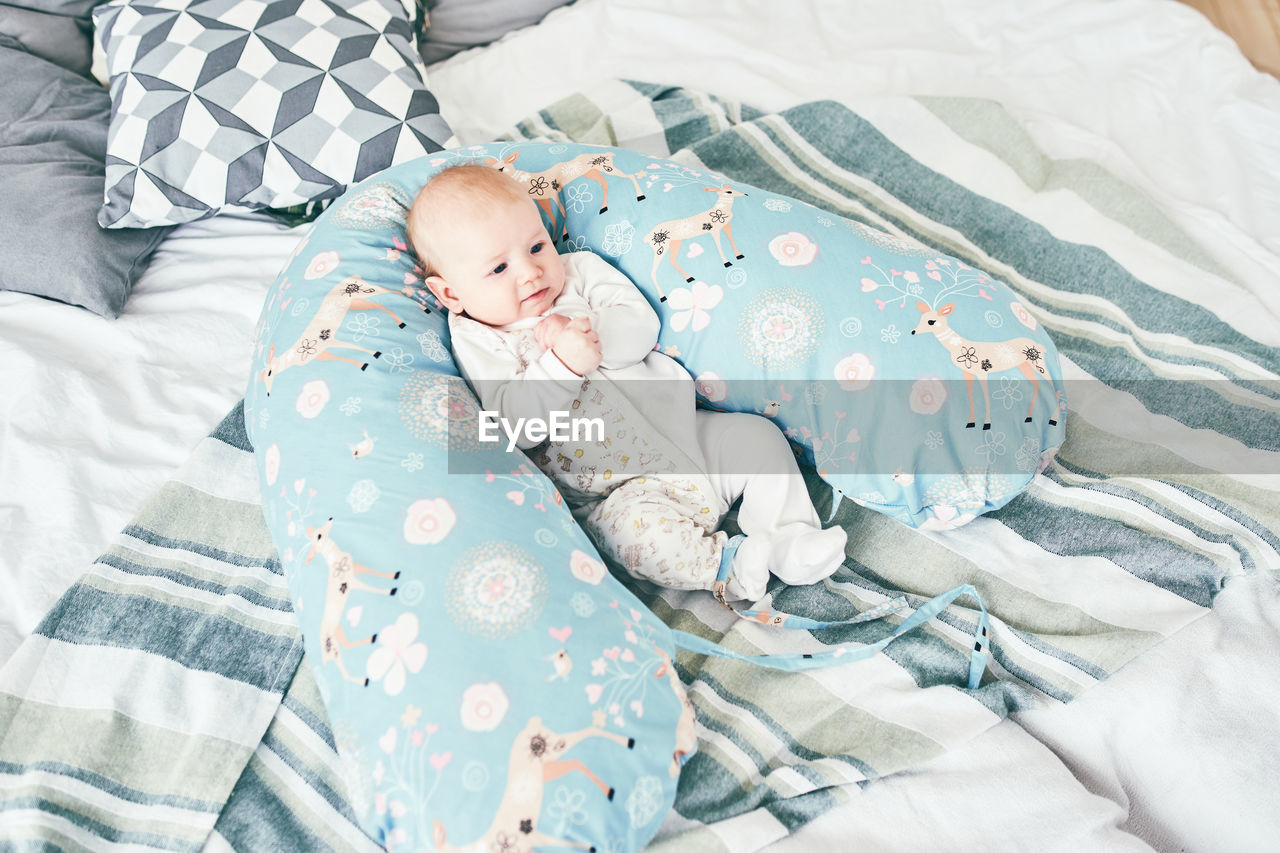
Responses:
[536,332]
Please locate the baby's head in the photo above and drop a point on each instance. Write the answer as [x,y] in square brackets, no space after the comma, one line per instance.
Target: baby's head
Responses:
[483,247]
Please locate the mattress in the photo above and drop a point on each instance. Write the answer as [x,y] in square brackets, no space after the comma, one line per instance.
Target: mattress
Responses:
[1179,750]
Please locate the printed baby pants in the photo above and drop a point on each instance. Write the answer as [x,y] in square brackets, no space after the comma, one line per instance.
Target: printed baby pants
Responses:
[664,527]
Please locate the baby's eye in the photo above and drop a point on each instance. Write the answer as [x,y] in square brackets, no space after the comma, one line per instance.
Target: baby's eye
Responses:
[537,247]
[499,269]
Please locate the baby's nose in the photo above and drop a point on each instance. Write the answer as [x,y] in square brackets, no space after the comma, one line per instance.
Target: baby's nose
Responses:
[530,272]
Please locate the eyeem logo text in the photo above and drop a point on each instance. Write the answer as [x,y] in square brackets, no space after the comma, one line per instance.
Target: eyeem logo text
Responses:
[560,427]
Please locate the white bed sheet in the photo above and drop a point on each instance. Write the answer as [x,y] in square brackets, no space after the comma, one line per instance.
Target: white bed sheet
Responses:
[1179,751]
[97,414]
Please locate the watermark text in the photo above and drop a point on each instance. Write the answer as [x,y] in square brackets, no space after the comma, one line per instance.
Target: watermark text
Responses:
[560,426]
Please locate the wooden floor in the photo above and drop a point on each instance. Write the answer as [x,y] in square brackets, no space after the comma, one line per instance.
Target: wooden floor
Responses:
[1254,24]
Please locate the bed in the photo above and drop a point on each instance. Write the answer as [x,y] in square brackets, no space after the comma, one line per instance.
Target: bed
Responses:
[1130,135]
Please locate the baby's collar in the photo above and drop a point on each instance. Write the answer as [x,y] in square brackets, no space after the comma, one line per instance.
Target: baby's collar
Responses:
[527,322]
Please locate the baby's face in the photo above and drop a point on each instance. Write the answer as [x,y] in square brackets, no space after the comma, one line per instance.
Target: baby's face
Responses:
[498,266]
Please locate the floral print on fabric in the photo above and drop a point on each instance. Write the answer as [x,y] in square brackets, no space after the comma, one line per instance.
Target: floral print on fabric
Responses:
[780,327]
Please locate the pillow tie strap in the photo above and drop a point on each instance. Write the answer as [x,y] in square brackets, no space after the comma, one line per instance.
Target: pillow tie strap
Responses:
[726,562]
[846,653]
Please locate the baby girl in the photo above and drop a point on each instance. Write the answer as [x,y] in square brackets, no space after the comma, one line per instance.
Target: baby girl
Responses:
[535,333]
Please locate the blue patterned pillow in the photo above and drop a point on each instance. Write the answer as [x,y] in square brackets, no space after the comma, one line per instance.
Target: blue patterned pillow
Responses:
[915,384]
[482,670]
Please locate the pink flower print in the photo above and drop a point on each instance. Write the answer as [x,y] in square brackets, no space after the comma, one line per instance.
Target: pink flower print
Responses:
[854,372]
[312,398]
[321,265]
[271,464]
[428,521]
[777,327]
[586,568]
[927,395]
[793,249]
[710,386]
[396,653]
[691,305]
[1024,316]
[484,706]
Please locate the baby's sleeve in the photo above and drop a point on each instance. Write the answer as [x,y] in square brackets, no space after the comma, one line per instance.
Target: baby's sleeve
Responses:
[494,372]
[622,317]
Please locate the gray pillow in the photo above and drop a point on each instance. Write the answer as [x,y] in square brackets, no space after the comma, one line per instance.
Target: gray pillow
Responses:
[455,25]
[53,140]
[66,8]
[227,105]
[57,38]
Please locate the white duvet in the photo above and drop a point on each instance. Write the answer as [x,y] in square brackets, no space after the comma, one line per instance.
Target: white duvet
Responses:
[1179,751]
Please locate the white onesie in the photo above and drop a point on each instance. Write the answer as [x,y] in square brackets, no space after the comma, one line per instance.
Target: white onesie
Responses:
[654,490]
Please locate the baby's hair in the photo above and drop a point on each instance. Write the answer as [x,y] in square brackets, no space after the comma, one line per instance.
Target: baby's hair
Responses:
[454,192]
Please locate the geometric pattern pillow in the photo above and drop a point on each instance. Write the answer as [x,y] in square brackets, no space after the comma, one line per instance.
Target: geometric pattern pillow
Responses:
[224,105]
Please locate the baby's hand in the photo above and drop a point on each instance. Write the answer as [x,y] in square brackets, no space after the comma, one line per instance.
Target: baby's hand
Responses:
[578,346]
[549,329]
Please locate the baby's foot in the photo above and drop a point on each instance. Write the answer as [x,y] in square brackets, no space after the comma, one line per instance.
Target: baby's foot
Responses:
[807,556]
[748,568]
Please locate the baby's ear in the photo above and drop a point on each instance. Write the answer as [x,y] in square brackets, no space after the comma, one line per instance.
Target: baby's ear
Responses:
[438,286]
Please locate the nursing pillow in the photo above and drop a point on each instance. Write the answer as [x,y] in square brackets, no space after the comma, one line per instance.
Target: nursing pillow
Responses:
[490,685]
[914,383]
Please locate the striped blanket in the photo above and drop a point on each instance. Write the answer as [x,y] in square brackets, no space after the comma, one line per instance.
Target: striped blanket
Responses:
[162,705]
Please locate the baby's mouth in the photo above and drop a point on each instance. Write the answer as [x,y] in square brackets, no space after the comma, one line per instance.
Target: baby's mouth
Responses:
[534,297]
